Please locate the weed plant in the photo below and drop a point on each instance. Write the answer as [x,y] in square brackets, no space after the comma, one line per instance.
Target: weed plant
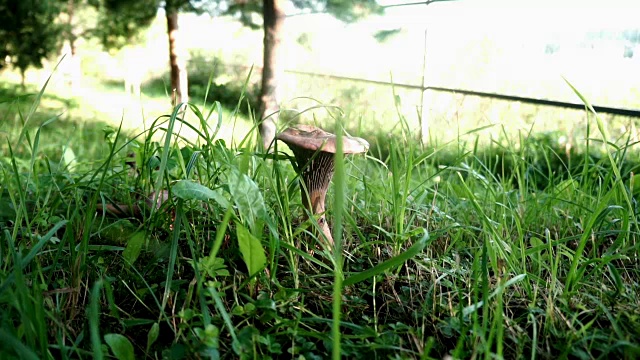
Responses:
[439,252]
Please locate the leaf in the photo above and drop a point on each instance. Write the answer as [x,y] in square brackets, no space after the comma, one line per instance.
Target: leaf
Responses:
[245,342]
[120,346]
[133,248]
[152,336]
[212,266]
[393,262]
[247,197]
[251,250]
[189,190]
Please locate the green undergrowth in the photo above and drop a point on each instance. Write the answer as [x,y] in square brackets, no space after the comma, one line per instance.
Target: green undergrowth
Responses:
[521,251]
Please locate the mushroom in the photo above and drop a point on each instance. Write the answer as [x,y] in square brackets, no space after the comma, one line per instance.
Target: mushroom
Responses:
[314,149]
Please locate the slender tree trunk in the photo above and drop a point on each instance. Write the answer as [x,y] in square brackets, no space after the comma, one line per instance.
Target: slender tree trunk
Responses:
[74,61]
[23,79]
[179,85]
[273,16]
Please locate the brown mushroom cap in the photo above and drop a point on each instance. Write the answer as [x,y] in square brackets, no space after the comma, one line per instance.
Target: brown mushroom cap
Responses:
[312,138]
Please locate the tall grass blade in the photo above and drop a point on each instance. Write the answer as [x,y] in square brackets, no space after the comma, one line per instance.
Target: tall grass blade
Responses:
[612,162]
[36,102]
[166,148]
[94,321]
[394,262]
[31,255]
[173,252]
[339,185]
[11,343]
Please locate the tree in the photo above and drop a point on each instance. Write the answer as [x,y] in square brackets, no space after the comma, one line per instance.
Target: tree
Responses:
[71,40]
[124,19]
[273,16]
[79,19]
[177,59]
[29,33]
[273,20]
[33,30]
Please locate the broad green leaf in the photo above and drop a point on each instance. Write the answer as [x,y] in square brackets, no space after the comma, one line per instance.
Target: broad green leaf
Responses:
[189,190]
[120,346]
[393,262]
[251,250]
[133,248]
[247,197]
[152,336]
[213,266]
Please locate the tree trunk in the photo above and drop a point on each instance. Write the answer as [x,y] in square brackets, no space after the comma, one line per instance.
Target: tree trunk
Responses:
[273,16]
[179,85]
[23,81]
[74,71]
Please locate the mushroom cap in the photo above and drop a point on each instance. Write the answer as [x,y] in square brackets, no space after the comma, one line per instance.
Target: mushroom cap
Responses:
[313,138]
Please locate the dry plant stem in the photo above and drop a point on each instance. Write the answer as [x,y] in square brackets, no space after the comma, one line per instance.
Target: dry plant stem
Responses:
[316,175]
[123,210]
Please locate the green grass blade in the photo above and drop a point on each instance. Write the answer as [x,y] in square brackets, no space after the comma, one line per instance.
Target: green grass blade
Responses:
[11,342]
[339,185]
[612,162]
[94,321]
[173,253]
[391,263]
[36,102]
[164,157]
[32,254]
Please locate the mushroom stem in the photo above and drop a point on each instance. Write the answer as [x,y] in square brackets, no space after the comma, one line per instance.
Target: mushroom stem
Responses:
[316,173]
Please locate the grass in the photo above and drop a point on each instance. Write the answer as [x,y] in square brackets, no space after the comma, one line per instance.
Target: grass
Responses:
[520,249]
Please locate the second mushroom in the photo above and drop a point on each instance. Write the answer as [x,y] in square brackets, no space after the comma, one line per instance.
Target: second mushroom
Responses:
[314,151]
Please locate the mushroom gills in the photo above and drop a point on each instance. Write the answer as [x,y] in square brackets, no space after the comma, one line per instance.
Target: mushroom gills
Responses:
[313,149]
[317,170]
